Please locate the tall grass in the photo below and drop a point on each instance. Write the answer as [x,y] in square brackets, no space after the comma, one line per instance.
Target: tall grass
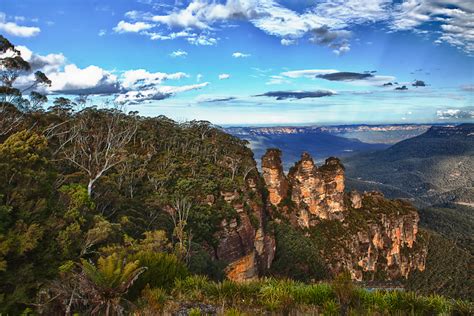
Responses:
[288,296]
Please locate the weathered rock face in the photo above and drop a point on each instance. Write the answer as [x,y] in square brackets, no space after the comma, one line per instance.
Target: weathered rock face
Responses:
[272,171]
[317,192]
[366,234]
[384,246]
[370,235]
[243,243]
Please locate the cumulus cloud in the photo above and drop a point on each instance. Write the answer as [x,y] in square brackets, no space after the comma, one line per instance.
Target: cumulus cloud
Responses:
[179,53]
[126,27]
[223,76]
[337,40]
[155,93]
[12,28]
[283,95]
[271,17]
[47,64]
[132,86]
[89,80]
[456,114]
[240,55]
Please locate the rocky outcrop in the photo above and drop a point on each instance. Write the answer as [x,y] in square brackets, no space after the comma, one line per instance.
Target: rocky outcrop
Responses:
[243,242]
[384,246]
[318,192]
[272,172]
[364,233]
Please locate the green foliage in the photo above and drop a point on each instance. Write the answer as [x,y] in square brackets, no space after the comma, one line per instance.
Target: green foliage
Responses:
[289,297]
[297,256]
[457,265]
[161,271]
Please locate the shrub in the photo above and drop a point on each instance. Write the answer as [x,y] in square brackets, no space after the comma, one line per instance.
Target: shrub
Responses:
[344,289]
[194,288]
[162,270]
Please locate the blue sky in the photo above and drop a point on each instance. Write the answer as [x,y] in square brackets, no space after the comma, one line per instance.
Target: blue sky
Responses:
[256,62]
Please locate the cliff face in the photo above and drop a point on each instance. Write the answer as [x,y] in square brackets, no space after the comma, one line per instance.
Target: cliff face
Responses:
[317,192]
[243,242]
[379,240]
[364,233]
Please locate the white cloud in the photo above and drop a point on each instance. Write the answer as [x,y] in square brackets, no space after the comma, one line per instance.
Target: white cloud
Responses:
[202,40]
[134,85]
[277,80]
[125,27]
[179,53]
[454,17]
[307,73]
[456,114]
[156,93]
[102,32]
[335,16]
[240,55]
[287,42]
[12,28]
[89,80]
[199,77]
[224,76]
[141,79]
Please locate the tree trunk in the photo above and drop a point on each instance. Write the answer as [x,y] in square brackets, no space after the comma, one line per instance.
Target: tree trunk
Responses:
[89,187]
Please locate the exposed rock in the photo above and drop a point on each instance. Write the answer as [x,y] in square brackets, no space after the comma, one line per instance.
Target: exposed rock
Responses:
[244,269]
[245,246]
[370,235]
[272,171]
[317,192]
[356,199]
[383,246]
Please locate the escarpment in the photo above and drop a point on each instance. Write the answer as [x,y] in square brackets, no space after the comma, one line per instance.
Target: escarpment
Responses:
[366,234]
[372,237]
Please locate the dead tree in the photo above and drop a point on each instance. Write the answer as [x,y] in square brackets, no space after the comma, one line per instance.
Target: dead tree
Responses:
[233,163]
[179,214]
[96,140]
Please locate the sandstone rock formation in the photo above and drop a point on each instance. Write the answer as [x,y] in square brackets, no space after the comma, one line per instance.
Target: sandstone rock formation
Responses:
[366,234]
[385,246]
[317,192]
[245,246]
[377,237]
[272,172]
